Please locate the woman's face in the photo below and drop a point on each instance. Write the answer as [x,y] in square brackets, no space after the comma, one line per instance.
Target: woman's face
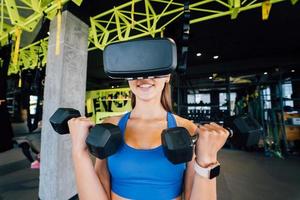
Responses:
[148,89]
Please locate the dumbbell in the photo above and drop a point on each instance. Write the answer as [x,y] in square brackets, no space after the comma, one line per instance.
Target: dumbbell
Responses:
[103,139]
[178,144]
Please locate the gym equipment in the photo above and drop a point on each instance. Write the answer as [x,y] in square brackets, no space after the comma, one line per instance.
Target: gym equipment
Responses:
[178,144]
[247,129]
[156,57]
[294,121]
[103,139]
[59,120]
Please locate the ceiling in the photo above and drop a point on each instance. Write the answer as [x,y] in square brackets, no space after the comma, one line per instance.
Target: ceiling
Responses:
[247,43]
[244,45]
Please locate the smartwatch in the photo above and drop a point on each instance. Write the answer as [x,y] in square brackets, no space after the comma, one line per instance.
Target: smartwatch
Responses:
[209,172]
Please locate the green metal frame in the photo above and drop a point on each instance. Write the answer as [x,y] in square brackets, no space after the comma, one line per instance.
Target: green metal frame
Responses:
[11,18]
[31,56]
[124,22]
[24,15]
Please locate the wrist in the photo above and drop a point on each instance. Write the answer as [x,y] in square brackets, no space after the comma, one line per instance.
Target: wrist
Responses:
[207,172]
[206,162]
[78,154]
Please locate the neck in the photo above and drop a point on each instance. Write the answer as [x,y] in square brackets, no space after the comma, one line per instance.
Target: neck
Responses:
[152,109]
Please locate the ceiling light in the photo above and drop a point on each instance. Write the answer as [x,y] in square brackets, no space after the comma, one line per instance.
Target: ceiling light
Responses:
[48,33]
[210,77]
[198,54]
[265,73]
[216,57]
[293,70]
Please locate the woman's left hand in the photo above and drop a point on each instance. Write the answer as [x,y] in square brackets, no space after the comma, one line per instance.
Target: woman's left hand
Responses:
[211,139]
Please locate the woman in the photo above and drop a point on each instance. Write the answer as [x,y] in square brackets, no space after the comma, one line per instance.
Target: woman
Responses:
[139,170]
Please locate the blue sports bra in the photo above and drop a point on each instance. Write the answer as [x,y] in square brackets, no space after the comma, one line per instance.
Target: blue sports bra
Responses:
[144,174]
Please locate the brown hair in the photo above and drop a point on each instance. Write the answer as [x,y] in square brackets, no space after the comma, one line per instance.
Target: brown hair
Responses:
[165,99]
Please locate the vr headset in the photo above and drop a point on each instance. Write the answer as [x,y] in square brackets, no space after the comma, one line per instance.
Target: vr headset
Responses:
[138,59]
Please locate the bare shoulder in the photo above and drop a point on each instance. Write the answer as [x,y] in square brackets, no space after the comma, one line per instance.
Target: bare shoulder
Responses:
[189,125]
[113,120]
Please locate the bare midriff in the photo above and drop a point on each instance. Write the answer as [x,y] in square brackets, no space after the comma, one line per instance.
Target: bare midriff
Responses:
[117,197]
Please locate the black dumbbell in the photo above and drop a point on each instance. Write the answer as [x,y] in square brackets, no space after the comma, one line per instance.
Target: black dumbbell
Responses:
[103,139]
[178,144]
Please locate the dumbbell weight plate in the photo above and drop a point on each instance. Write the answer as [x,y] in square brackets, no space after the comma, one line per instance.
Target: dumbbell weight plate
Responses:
[59,120]
[104,140]
[177,145]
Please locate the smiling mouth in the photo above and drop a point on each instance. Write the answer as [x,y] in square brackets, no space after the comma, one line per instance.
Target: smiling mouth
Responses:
[145,85]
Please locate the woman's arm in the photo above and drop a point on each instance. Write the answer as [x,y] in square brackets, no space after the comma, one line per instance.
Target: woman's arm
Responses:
[197,187]
[88,181]
[188,180]
[103,175]
[211,139]
[203,188]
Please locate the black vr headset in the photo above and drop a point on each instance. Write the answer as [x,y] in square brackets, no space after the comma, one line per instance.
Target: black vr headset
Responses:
[137,59]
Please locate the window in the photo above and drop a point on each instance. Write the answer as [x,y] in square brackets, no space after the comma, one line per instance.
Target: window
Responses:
[223,101]
[267,98]
[287,92]
[200,99]
[191,98]
[33,104]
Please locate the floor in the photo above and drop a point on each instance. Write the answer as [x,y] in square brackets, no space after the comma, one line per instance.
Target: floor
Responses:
[17,180]
[244,176]
[254,176]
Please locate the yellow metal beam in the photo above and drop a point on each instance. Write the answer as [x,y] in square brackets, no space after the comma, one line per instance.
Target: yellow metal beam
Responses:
[235,7]
[119,30]
[266,8]
[13,13]
[294,2]
[38,7]
[126,22]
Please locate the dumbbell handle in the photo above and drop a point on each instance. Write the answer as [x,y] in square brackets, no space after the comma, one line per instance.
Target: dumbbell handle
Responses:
[196,135]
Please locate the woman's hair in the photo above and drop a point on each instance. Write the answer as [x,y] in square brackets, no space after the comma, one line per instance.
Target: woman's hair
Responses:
[165,99]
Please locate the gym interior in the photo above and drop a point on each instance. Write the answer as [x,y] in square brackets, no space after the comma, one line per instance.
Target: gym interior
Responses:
[238,65]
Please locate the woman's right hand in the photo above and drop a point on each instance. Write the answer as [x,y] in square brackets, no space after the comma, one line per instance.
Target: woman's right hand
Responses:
[79,130]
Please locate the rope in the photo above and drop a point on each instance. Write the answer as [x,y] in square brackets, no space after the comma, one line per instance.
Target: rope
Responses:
[17,46]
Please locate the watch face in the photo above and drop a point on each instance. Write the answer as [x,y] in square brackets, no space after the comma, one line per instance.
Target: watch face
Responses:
[214,172]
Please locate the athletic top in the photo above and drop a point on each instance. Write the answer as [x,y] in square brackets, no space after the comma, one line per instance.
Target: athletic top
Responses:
[144,174]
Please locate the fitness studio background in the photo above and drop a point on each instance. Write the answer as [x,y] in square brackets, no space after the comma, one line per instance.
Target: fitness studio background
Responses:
[238,66]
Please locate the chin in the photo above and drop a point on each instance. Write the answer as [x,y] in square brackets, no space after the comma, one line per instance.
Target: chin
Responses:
[146,98]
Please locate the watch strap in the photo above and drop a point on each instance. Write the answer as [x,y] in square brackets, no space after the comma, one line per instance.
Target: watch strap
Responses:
[208,172]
